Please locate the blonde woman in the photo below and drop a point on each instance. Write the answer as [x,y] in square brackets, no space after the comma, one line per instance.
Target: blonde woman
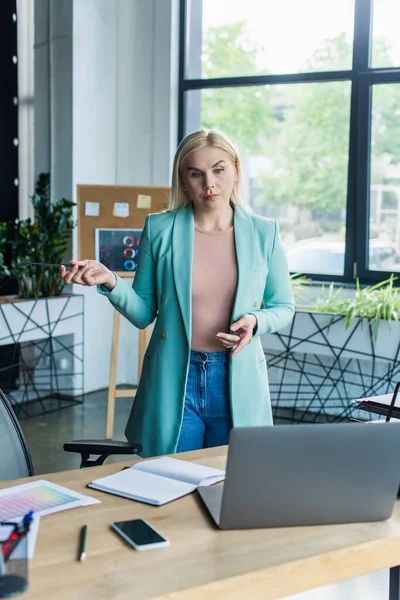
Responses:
[214,278]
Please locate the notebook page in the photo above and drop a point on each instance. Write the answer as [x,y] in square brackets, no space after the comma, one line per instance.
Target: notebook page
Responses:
[146,487]
[385,399]
[375,421]
[181,470]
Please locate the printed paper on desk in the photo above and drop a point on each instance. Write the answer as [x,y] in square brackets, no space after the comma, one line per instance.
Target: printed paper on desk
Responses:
[43,497]
[92,209]
[143,201]
[121,209]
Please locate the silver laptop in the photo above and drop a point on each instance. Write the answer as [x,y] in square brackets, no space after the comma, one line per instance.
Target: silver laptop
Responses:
[290,475]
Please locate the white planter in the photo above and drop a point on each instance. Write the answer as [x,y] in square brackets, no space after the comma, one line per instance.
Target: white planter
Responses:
[49,332]
[318,366]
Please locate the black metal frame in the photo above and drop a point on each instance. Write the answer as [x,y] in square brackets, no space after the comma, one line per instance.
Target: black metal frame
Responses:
[33,406]
[8,111]
[8,122]
[307,387]
[362,77]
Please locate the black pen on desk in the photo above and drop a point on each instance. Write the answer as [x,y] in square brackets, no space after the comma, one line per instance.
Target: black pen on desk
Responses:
[82,543]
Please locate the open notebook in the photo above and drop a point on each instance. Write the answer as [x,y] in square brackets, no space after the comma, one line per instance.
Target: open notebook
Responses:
[379,404]
[159,480]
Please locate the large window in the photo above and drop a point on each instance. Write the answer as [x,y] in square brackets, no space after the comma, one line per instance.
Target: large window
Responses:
[266,36]
[309,93]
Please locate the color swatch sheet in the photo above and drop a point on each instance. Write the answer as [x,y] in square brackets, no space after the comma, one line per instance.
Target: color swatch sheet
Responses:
[43,497]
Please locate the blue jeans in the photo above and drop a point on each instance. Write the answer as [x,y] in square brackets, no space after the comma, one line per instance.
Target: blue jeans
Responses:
[207,416]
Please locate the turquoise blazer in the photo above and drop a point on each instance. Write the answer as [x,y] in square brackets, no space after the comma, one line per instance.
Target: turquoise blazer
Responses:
[162,292]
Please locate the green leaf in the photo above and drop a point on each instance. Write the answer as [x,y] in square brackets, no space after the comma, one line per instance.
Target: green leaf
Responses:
[374,303]
[44,240]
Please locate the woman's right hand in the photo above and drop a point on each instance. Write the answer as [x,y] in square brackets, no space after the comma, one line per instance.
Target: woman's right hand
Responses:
[88,272]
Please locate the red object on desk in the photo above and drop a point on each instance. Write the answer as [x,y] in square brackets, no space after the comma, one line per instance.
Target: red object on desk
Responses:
[10,544]
[18,533]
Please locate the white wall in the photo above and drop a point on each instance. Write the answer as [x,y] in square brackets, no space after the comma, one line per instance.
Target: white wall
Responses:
[26,113]
[122,73]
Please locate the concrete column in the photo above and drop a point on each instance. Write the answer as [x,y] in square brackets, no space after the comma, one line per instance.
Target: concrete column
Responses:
[53,94]
[60,79]
[42,87]
[106,113]
[26,113]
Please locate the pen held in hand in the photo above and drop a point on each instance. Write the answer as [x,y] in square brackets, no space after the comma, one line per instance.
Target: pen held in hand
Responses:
[40,264]
[82,544]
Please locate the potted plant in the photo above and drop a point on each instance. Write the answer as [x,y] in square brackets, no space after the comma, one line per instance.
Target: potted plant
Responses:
[44,240]
[42,330]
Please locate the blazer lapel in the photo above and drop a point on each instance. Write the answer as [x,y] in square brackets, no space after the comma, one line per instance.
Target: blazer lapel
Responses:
[182,258]
[244,243]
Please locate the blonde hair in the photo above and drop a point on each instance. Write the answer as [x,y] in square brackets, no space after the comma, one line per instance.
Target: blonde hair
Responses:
[201,138]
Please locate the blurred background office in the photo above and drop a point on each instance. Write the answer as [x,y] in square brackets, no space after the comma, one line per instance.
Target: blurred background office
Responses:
[101,92]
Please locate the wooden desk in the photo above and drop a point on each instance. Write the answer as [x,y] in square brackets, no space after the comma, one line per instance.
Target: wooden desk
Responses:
[201,562]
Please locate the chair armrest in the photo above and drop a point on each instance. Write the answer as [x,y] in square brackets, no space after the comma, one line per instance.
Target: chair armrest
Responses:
[104,448]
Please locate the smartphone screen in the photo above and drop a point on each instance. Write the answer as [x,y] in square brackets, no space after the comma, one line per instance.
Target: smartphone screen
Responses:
[140,534]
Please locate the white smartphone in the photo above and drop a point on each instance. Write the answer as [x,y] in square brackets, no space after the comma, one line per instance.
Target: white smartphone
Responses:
[139,534]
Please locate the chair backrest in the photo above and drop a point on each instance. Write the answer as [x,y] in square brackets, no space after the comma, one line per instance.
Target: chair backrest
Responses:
[15,460]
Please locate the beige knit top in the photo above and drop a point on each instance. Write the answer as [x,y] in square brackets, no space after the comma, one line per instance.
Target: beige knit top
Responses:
[214,282]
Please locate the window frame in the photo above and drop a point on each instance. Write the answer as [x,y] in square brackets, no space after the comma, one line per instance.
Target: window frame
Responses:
[9,111]
[362,77]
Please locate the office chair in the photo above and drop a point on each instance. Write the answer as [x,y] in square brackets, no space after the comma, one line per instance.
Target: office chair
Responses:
[15,458]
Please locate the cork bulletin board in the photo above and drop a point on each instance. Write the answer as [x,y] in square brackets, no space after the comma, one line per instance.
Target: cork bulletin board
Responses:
[114,207]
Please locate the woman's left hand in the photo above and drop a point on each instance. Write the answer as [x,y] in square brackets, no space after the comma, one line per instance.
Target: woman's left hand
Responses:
[243,329]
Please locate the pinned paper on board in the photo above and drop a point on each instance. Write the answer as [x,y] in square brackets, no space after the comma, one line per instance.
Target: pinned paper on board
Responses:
[118,249]
[143,201]
[121,209]
[92,209]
